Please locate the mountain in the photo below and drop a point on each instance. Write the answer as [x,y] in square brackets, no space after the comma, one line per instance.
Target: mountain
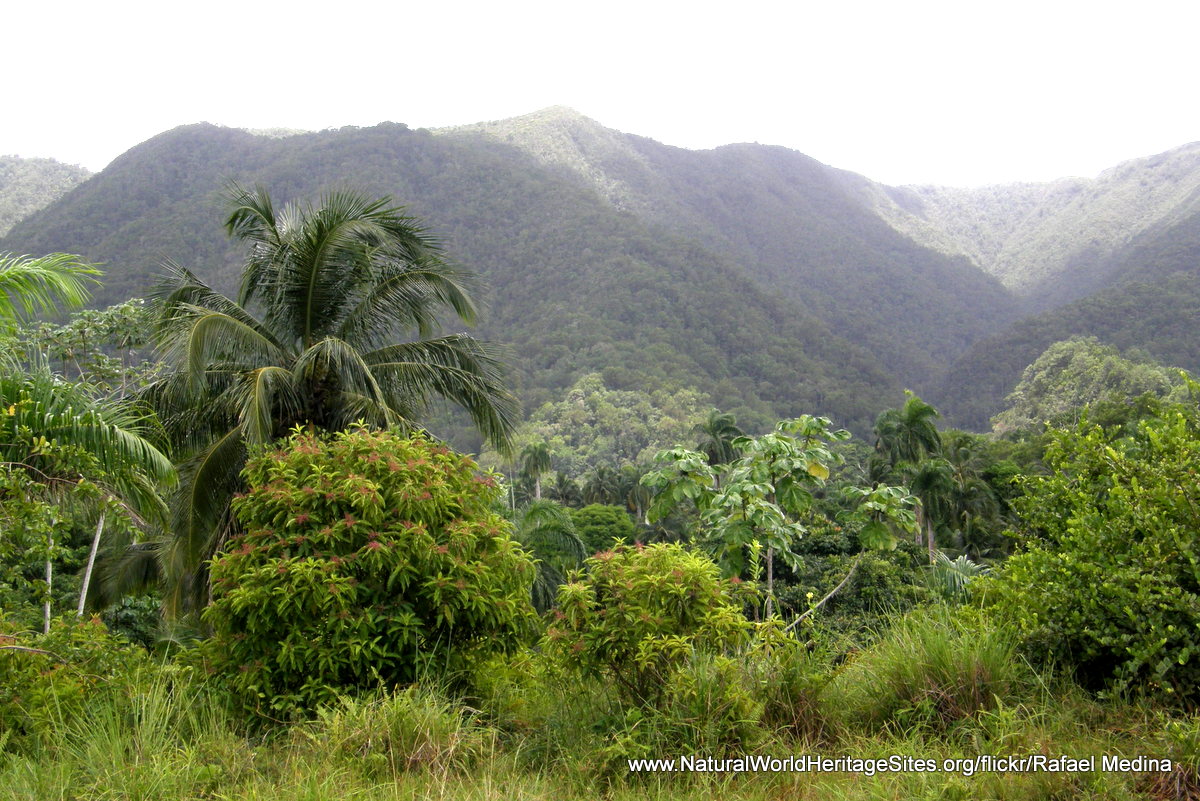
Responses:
[27,185]
[798,228]
[1056,242]
[577,285]
[1152,303]
[776,283]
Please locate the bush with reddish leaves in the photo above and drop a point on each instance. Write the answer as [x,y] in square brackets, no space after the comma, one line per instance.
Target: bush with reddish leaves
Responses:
[367,559]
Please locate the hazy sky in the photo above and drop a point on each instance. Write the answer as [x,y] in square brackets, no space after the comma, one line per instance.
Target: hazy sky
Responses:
[963,92]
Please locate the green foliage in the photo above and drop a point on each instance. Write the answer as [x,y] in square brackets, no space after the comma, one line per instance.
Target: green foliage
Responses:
[638,613]
[932,668]
[547,531]
[366,559]
[1109,581]
[1075,373]
[595,426]
[388,733]
[600,526]
[763,503]
[38,285]
[335,322]
[27,185]
[49,679]
[87,342]
[66,458]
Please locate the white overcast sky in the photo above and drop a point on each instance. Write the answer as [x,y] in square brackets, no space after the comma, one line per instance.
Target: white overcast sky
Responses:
[960,93]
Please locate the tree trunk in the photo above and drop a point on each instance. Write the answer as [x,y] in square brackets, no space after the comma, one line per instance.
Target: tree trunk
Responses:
[87,573]
[537,487]
[49,582]
[930,541]
[770,582]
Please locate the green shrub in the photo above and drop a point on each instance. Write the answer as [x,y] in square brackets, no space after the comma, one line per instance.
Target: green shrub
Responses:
[1109,581]
[48,680]
[599,525]
[639,612]
[367,559]
[932,668]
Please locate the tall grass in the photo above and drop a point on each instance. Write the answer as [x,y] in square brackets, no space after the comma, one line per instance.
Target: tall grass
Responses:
[934,667]
[936,685]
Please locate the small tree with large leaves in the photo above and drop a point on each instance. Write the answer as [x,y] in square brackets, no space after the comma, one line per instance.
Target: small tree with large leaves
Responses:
[759,505]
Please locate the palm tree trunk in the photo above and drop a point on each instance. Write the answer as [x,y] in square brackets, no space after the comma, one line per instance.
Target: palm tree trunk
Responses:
[87,573]
[930,541]
[537,487]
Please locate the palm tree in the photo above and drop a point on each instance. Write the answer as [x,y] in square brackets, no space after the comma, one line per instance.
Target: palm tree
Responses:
[717,433]
[334,323]
[603,486]
[545,529]
[564,490]
[972,500]
[58,436]
[535,460]
[903,438]
[907,434]
[931,481]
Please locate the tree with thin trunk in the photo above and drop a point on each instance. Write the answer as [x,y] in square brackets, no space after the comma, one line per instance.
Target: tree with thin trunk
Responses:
[535,461]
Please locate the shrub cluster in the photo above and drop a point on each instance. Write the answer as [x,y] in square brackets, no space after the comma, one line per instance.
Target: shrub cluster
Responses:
[367,559]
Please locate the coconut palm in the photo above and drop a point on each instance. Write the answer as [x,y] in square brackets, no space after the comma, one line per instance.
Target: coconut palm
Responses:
[335,322]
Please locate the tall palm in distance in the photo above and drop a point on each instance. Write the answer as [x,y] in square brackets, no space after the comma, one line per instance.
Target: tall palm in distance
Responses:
[904,438]
[716,435]
[536,460]
[335,322]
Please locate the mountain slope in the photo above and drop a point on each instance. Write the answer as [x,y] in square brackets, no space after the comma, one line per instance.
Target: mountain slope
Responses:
[1057,242]
[27,185]
[800,229]
[576,284]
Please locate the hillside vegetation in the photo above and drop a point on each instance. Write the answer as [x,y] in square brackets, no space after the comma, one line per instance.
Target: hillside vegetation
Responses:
[27,185]
[756,274]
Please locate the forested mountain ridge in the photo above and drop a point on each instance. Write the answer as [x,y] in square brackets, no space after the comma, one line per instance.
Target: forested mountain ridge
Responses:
[1055,242]
[799,228]
[27,185]
[771,281]
[576,286]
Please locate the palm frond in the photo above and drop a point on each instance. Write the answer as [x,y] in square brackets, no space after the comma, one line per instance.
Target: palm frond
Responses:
[408,297]
[110,434]
[458,368]
[269,395]
[31,285]
[215,336]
